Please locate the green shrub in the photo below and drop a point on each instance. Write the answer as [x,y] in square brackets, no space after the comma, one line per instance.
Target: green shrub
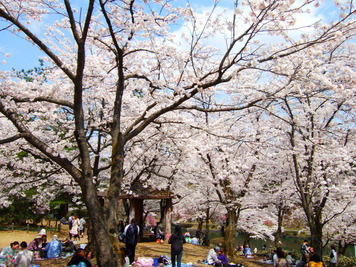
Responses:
[342,261]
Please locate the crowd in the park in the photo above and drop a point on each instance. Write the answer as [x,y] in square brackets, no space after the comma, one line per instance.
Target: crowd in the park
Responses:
[24,254]
[278,258]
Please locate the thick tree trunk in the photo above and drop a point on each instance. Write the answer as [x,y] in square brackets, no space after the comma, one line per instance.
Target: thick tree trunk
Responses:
[278,233]
[106,255]
[168,218]
[342,247]
[230,232]
[200,224]
[207,225]
[316,232]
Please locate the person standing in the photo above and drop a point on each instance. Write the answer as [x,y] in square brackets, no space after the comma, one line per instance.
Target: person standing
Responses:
[176,240]
[304,248]
[333,256]
[82,224]
[74,231]
[25,257]
[131,233]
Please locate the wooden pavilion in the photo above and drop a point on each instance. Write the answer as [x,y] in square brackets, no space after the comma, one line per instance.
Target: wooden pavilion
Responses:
[136,196]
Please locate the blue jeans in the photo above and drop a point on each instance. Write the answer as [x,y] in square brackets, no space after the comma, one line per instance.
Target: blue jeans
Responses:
[177,255]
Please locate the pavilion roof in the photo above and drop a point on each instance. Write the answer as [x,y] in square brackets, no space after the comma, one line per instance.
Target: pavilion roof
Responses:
[140,191]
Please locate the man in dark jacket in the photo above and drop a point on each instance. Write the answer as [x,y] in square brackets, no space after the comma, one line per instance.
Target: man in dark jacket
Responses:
[131,236]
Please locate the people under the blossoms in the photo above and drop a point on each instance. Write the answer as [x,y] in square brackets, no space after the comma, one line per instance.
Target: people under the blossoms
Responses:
[281,259]
[54,248]
[79,259]
[68,245]
[10,251]
[74,230]
[25,257]
[212,258]
[43,235]
[223,258]
[82,226]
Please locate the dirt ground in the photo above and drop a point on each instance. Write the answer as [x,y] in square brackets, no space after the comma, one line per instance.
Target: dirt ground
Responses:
[192,254]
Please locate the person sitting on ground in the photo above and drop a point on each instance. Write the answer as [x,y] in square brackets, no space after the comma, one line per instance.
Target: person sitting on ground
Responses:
[187,237]
[194,241]
[89,256]
[302,262]
[25,257]
[222,257]
[278,251]
[36,247]
[54,248]
[35,244]
[281,259]
[159,232]
[212,257]
[68,245]
[273,256]
[43,235]
[79,259]
[314,259]
[9,252]
[247,251]
[290,258]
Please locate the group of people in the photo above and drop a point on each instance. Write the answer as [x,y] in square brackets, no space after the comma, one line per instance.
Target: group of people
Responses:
[217,257]
[130,237]
[198,239]
[23,258]
[309,258]
[24,254]
[76,227]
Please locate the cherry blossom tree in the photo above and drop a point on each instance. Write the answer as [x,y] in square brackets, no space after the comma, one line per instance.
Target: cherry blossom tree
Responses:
[116,70]
[320,134]
[341,229]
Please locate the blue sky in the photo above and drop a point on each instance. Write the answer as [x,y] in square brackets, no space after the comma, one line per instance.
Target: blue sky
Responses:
[25,56]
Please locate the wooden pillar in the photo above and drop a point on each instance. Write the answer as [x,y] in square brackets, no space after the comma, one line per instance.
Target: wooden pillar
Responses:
[168,218]
[132,213]
[136,211]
